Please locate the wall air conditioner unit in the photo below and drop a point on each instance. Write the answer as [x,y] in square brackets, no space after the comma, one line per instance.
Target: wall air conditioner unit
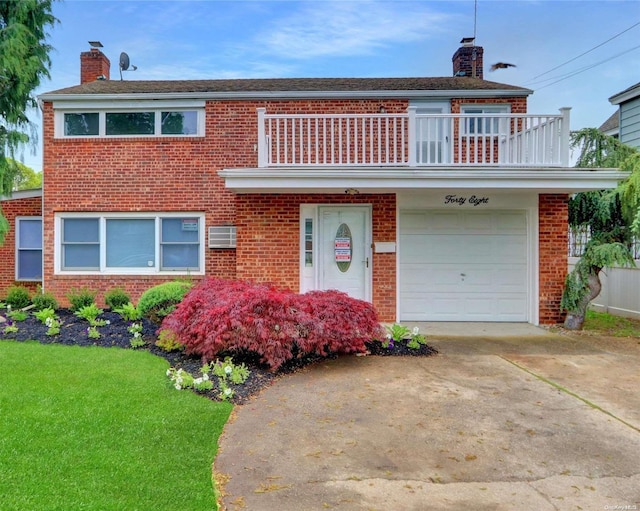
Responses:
[222,236]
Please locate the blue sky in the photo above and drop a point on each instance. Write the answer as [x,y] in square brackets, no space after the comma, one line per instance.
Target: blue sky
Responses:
[182,39]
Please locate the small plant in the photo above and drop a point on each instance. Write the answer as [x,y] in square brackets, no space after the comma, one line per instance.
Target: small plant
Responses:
[42,301]
[417,339]
[181,379]
[400,333]
[18,297]
[18,315]
[10,328]
[135,329]
[44,314]
[226,372]
[116,298]
[92,332]
[53,326]
[79,298]
[129,312]
[168,341]
[91,313]
[49,318]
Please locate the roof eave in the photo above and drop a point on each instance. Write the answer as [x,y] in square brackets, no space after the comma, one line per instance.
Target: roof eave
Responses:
[452,93]
[625,95]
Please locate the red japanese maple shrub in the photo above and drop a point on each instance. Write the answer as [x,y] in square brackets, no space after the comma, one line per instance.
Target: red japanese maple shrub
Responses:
[228,315]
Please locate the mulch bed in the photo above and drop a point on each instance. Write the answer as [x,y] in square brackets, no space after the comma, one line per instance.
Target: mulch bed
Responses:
[74,332]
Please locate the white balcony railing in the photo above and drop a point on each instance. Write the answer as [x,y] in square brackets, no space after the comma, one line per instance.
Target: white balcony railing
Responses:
[414,140]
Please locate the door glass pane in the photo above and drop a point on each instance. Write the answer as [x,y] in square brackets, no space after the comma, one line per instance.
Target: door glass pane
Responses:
[30,265]
[130,123]
[130,243]
[81,125]
[30,234]
[179,123]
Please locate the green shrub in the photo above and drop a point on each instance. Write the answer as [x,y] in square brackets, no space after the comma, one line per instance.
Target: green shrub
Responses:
[116,298]
[18,297]
[159,301]
[168,341]
[81,298]
[44,301]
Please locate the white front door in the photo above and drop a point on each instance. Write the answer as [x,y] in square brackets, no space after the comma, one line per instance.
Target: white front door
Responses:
[344,250]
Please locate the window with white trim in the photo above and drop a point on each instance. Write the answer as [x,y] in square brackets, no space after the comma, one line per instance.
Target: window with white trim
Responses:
[131,243]
[485,125]
[29,248]
[129,122]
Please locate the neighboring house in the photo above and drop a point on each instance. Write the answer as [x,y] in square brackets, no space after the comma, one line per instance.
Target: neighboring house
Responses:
[436,199]
[611,126]
[628,102]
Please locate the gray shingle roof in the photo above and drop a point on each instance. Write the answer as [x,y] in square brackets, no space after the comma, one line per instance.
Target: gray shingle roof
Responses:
[271,85]
[612,123]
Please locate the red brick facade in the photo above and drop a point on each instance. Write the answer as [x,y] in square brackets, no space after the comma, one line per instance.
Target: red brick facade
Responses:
[12,208]
[553,217]
[180,174]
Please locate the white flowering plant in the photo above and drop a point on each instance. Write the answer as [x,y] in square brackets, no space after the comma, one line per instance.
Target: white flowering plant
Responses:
[226,370]
[181,379]
[227,373]
[50,319]
[401,333]
[135,329]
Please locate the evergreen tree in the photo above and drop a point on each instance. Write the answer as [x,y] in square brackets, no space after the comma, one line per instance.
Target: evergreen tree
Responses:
[612,217]
[24,62]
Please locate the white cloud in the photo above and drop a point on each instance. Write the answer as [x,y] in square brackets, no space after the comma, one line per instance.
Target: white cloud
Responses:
[348,28]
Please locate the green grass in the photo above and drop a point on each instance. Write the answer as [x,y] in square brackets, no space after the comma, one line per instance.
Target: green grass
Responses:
[101,429]
[614,326]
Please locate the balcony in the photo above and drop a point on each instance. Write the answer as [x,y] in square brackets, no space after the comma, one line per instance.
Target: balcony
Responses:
[413,140]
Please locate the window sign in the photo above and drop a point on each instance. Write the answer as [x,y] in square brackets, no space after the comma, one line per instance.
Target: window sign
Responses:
[343,247]
[189,224]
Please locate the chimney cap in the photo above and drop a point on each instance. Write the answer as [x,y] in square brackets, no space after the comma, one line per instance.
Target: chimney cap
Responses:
[96,44]
[467,41]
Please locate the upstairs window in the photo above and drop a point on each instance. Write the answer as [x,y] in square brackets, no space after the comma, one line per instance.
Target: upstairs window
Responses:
[81,125]
[130,123]
[109,121]
[485,125]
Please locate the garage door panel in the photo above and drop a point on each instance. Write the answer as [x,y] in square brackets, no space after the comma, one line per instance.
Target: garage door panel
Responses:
[464,266]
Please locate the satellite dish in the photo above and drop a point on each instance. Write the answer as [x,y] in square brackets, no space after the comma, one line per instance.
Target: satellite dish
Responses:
[124,61]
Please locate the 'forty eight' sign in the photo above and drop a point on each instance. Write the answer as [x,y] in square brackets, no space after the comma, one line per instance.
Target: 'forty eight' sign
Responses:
[460,200]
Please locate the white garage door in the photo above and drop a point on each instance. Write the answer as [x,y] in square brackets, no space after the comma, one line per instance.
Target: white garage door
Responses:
[463,266]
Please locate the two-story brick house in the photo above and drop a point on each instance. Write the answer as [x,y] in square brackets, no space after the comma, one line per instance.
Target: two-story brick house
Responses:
[434,198]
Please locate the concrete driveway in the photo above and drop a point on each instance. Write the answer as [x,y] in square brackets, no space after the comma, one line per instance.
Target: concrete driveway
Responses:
[523,420]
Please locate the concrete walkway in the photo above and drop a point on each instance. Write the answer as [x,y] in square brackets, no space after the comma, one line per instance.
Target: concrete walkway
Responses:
[503,422]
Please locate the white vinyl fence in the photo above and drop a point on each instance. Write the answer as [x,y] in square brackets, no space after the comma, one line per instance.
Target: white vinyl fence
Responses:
[620,293]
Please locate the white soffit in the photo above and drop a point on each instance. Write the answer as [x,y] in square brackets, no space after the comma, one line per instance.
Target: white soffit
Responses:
[337,180]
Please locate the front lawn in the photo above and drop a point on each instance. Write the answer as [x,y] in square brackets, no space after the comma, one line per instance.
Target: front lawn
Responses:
[89,428]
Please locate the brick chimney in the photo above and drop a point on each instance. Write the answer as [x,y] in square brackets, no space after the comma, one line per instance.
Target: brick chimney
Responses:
[94,65]
[467,60]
